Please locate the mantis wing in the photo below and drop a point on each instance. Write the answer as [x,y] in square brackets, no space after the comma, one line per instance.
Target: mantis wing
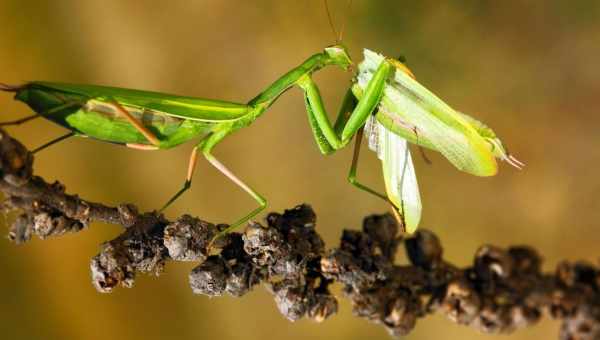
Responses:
[408,108]
[170,105]
[398,171]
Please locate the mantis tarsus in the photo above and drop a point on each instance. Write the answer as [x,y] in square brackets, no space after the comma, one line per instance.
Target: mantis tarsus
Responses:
[383,92]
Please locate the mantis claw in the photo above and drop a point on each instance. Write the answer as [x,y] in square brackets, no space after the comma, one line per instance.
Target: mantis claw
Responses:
[216,238]
[399,218]
[10,88]
[510,159]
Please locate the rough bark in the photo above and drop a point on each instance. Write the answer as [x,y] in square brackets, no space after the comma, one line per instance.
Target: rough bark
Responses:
[501,291]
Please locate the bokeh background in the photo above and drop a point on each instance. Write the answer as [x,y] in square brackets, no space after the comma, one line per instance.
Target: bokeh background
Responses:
[527,68]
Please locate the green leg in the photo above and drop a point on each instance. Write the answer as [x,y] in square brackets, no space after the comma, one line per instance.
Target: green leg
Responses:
[351,117]
[206,151]
[20,121]
[52,142]
[348,125]
[354,166]
[188,179]
[348,105]
[322,143]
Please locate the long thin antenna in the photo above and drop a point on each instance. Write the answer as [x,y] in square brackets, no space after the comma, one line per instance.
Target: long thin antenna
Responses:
[345,21]
[335,35]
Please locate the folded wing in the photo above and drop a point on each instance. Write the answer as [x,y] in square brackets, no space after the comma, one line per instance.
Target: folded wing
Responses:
[410,109]
[398,171]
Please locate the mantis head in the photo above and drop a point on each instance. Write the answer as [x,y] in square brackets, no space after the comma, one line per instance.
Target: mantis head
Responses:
[338,55]
[401,66]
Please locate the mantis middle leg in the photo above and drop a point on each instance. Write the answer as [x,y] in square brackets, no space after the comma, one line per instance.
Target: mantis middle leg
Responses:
[20,121]
[188,178]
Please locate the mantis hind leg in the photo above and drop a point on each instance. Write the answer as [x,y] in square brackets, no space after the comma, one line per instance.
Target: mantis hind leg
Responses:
[20,121]
[257,197]
[206,148]
[52,142]
[58,108]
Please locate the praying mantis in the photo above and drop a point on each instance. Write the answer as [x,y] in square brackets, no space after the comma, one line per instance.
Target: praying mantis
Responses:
[384,100]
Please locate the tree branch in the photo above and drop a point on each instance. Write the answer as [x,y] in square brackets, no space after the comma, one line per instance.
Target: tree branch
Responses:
[503,290]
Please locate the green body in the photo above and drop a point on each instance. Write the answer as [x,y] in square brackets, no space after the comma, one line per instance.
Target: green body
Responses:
[93,116]
[173,119]
[413,112]
[381,87]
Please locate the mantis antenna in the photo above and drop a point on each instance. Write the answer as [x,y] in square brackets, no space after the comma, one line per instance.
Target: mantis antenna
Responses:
[335,35]
[338,36]
[341,36]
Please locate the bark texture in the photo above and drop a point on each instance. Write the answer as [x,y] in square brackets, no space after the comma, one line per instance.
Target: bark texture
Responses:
[501,291]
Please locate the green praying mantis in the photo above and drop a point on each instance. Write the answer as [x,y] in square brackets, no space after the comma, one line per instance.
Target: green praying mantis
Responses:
[384,100]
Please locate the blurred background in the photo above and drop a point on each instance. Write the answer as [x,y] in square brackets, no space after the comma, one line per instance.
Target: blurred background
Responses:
[529,69]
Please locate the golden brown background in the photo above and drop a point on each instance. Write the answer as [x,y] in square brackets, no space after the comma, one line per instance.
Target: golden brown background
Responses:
[527,68]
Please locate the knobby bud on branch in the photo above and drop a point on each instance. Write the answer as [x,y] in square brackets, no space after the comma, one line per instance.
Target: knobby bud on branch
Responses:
[501,291]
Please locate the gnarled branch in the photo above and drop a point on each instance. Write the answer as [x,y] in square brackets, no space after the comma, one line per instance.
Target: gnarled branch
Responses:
[501,291]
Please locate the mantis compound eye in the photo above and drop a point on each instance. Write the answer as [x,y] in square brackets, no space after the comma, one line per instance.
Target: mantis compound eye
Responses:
[402,59]
[400,65]
[339,55]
